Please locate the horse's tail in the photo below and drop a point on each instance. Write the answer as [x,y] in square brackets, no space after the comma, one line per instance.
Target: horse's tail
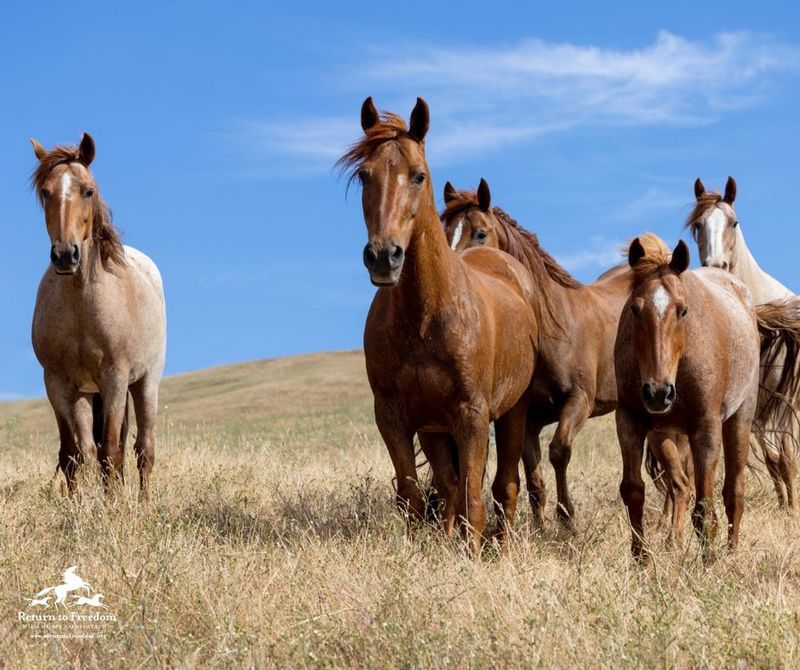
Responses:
[779,388]
[654,469]
[97,420]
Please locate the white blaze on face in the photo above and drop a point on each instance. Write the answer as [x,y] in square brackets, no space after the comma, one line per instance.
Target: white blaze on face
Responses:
[457,234]
[660,299]
[66,183]
[716,223]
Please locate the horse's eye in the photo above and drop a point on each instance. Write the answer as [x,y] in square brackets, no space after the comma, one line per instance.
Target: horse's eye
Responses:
[363,175]
[480,236]
[419,178]
[636,309]
[734,223]
[89,193]
[45,193]
[683,312]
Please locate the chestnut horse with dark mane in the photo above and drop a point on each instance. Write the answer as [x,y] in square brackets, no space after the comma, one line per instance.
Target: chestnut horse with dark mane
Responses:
[450,339]
[687,360]
[99,327]
[574,377]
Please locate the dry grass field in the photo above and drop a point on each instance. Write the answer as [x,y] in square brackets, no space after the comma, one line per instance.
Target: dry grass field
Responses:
[271,541]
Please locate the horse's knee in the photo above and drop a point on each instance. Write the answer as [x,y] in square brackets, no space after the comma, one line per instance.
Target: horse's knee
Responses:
[632,494]
[560,453]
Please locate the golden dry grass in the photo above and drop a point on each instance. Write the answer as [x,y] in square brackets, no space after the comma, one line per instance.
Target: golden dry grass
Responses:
[272,540]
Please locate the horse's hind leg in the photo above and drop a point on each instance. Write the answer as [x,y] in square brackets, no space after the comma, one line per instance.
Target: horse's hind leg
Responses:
[772,459]
[440,450]
[788,469]
[510,437]
[145,404]
[573,416]
[531,460]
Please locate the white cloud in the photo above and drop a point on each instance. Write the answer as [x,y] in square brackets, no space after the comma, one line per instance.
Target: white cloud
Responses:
[488,98]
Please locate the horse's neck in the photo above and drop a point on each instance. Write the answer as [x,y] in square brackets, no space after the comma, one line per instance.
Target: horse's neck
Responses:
[426,284]
[763,287]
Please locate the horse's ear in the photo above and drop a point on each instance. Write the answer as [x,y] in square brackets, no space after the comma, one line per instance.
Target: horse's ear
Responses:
[680,258]
[730,191]
[484,196]
[369,115]
[635,252]
[86,150]
[38,149]
[449,192]
[699,189]
[420,120]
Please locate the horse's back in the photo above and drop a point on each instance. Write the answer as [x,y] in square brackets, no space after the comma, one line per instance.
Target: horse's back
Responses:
[498,266]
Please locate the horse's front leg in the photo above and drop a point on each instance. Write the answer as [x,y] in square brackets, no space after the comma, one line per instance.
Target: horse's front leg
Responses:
[631,435]
[471,430]
[145,404]
[399,441]
[706,444]
[572,418]
[671,454]
[510,437]
[114,394]
[440,451]
[73,413]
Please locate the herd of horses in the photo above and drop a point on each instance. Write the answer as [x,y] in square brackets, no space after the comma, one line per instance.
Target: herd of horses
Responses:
[473,324]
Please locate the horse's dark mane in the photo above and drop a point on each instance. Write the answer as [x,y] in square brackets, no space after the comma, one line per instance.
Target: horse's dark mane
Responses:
[104,234]
[522,243]
[390,127]
[524,246]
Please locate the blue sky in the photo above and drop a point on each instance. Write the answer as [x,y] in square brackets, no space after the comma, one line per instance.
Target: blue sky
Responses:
[217,126]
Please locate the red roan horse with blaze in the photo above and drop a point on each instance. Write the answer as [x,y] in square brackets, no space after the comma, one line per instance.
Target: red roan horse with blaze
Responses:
[449,339]
[687,360]
[99,328]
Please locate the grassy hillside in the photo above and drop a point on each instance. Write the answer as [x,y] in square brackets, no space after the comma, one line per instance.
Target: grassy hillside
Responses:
[271,540]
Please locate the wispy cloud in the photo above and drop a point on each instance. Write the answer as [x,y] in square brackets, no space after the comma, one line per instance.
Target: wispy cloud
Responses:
[601,253]
[488,98]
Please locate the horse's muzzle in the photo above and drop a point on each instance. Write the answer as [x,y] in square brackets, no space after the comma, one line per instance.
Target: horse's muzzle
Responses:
[65,258]
[658,399]
[385,263]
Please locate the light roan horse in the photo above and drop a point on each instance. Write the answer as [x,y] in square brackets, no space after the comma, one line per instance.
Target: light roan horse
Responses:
[449,339]
[687,360]
[99,327]
[574,376]
[715,227]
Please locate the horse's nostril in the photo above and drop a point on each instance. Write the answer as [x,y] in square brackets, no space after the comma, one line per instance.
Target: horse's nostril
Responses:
[370,256]
[648,392]
[397,252]
[53,255]
[671,393]
[76,253]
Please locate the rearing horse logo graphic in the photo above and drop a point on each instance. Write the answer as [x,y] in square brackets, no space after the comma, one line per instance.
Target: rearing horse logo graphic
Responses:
[72,582]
